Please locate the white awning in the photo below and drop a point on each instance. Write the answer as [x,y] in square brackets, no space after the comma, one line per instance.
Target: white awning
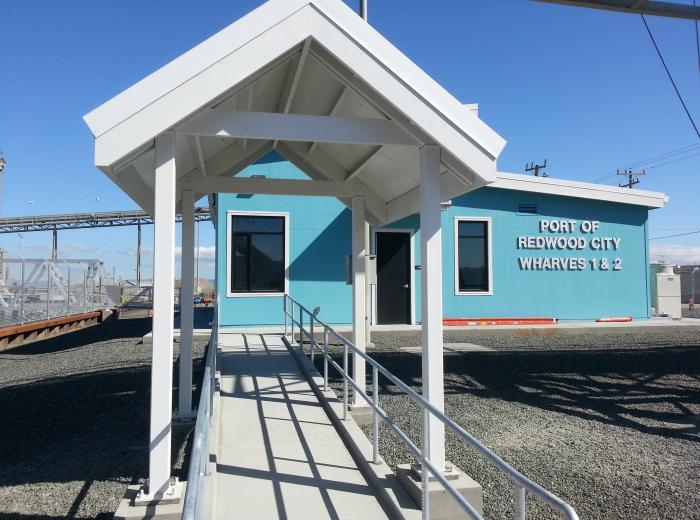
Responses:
[312,80]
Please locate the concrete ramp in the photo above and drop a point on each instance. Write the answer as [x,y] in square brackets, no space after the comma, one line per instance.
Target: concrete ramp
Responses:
[278,455]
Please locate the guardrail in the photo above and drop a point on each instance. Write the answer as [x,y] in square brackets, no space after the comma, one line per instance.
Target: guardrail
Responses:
[521,484]
[193,508]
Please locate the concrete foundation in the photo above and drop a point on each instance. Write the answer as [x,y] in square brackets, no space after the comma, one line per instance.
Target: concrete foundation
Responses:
[361,414]
[168,511]
[442,505]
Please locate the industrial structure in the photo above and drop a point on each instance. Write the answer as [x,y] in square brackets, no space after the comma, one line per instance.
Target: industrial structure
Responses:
[54,223]
[313,82]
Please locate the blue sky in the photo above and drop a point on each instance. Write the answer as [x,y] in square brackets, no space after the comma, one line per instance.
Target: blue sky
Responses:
[583,88]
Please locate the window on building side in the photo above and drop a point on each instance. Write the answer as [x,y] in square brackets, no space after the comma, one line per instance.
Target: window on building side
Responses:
[257,254]
[473,262]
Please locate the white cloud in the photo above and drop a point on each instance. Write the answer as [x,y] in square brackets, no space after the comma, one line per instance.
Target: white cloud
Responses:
[206,253]
[675,254]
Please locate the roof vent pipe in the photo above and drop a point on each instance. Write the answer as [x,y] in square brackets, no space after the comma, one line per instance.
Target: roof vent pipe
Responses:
[363,9]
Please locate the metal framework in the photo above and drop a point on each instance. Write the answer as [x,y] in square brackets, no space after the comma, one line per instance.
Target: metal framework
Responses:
[86,220]
[650,7]
[521,484]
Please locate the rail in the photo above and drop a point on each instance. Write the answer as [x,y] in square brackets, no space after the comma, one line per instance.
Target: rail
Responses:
[521,484]
[193,508]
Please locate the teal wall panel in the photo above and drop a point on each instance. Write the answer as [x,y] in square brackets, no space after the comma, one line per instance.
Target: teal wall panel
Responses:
[563,294]
[320,240]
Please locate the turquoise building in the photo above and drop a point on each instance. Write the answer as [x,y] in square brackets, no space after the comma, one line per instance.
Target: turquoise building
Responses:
[522,247]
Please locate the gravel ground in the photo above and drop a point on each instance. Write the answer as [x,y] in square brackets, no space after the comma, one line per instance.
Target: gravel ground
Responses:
[608,423]
[74,422]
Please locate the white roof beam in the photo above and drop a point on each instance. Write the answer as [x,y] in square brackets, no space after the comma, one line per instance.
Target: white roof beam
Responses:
[287,97]
[363,164]
[233,159]
[255,186]
[322,165]
[336,106]
[409,203]
[295,127]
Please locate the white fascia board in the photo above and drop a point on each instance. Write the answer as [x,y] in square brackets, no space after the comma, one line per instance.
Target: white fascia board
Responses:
[208,53]
[413,77]
[196,92]
[582,190]
[381,76]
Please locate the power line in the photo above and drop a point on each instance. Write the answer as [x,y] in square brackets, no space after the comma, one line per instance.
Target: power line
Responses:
[674,161]
[678,235]
[656,158]
[668,72]
[697,40]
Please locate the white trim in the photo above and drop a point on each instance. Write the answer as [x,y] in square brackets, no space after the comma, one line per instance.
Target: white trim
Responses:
[297,127]
[581,190]
[489,246]
[412,260]
[231,213]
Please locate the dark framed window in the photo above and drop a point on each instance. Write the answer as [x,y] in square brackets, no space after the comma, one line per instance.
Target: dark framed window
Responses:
[473,262]
[257,254]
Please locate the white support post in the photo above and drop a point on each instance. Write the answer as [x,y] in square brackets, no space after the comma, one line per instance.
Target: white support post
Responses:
[184,410]
[359,300]
[159,485]
[431,273]
[368,292]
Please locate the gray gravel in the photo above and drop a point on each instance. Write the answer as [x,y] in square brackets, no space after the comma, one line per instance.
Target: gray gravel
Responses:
[608,423]
[74,422]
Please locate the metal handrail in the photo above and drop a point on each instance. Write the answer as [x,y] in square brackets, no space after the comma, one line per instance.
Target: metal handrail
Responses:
[521,482]
[193,508]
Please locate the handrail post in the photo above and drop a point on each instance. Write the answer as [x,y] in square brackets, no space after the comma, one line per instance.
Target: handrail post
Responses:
[325,358]
[424,467]
[520,510]
[345,381]
[312,342]
[292,320]
[375,414]
[301,329]
[284,306]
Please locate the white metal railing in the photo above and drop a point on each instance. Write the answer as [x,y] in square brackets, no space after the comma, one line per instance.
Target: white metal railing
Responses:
[521,484]
[193,508]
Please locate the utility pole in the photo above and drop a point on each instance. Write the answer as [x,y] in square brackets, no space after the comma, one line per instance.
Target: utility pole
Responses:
[138,255]
[363,9]
[632,178]
[535,169]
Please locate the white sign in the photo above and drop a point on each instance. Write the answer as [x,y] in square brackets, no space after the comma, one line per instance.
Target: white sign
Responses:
[553,237]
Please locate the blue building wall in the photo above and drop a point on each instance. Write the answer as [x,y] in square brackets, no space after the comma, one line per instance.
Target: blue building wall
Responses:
[320,234]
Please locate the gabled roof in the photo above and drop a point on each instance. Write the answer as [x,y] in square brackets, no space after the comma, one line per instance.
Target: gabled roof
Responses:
[582,190]
[299,57]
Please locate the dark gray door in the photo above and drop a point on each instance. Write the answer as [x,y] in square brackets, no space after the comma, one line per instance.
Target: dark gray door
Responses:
[393,278]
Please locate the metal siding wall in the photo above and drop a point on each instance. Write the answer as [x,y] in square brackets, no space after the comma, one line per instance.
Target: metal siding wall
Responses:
[566,295]
[319,242]
[320,230]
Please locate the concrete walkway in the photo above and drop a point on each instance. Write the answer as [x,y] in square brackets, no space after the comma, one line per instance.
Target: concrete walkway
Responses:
[278,454]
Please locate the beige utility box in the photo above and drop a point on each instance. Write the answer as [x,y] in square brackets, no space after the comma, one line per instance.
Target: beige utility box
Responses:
[665,290]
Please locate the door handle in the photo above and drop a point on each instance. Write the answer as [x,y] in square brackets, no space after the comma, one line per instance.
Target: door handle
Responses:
[405,286]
